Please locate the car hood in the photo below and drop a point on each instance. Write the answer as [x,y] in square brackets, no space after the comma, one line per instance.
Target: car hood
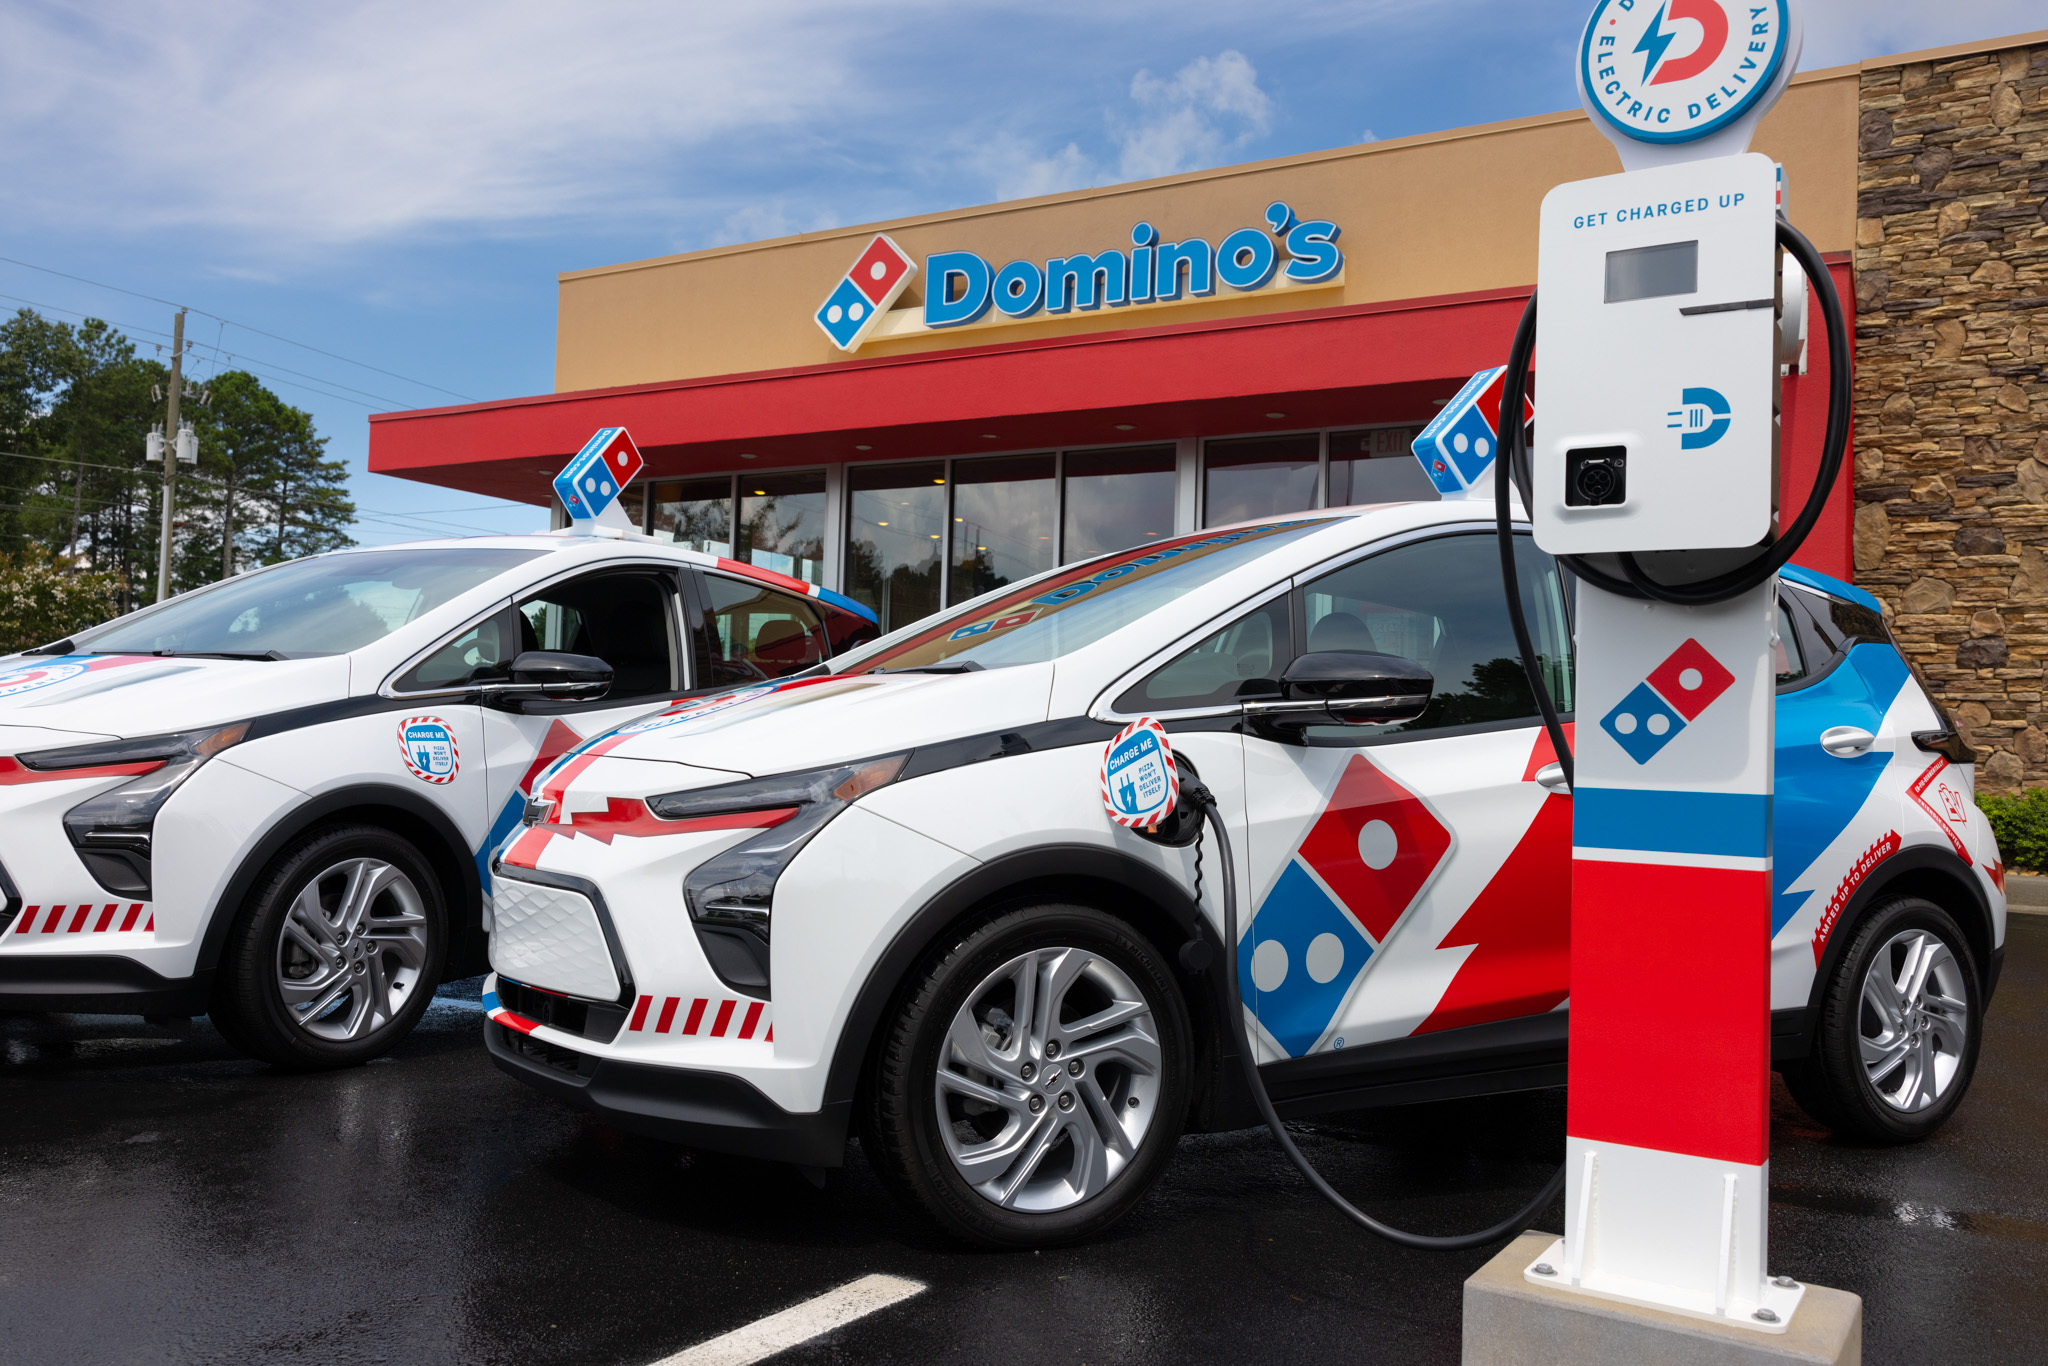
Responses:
[810,722]
[134,695]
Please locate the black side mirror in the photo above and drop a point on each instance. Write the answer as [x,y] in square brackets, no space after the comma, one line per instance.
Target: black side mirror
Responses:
[556,677]
[1346,687]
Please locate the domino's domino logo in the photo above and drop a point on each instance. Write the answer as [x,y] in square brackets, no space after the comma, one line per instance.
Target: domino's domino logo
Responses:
[591,481]
[1676,692]
[865,292]
[1461,441]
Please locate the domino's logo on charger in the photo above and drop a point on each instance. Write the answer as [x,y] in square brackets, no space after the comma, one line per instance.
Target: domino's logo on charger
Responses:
[1460,442]
[1676,692]
[1139,785]
[865,292]
[590,483]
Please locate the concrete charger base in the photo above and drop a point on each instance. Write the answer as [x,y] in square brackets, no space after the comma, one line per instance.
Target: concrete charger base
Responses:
[1511,1322]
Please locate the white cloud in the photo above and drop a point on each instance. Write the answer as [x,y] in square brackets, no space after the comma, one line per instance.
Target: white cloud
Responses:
[1211,108]
[1368,136]
[1018,170]
[353,121]
[764,222]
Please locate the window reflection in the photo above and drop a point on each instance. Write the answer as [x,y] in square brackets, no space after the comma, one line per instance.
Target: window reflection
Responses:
[782,523]
[1260,476]
[1377,466]
[1116,499]
[1003,512]
[696,513]
[895,517]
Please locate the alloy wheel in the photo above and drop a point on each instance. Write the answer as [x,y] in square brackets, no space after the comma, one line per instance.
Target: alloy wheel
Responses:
[352,949]
[1048,1080]
[1913,1020]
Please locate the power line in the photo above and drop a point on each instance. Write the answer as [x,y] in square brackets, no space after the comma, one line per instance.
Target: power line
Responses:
[229,322]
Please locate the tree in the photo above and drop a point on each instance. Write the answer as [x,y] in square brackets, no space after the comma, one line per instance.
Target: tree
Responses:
[42,602]
[76,404]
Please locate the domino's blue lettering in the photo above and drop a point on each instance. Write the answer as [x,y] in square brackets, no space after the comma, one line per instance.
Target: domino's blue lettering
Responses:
[1070,281]
[1313,245]
[1020,289]
[957,290]
[1246,259]
[1143,235]
[1279,217]
[1200,273]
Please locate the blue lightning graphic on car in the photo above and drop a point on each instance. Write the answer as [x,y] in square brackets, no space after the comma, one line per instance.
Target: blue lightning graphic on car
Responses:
[1653,42]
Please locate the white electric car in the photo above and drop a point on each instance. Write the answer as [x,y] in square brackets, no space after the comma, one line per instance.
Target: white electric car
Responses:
[271,799]
[886,896]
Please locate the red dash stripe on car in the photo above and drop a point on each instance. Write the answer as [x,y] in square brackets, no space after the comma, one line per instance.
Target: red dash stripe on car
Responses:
[50,921]
[518,1022]
[753,1018]
[78,921]
[769,1037]
[668,1015]
[106,918]
[128,920]
[28,918]
[150,928]
[640,1013]
[724,1019]
[696,1016]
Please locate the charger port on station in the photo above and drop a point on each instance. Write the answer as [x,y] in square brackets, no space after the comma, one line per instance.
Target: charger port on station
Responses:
[1595,476]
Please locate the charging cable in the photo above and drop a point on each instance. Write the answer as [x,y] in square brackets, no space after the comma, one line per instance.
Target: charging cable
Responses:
[1199,796]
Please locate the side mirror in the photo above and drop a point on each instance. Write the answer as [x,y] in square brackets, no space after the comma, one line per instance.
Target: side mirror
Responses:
[556,677]
[1346,687]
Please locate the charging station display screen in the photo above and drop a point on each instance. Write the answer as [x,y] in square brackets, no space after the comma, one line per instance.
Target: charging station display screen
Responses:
[1653,272]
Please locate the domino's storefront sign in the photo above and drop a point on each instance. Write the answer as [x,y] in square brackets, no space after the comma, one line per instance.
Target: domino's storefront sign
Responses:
[1671,71]
[962,288]
[1139,785]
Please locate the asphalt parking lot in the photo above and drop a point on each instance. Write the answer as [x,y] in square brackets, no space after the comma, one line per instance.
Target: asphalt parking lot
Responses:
[164,1200]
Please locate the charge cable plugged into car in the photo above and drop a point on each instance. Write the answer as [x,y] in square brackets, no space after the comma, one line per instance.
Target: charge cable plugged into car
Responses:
[1150,785]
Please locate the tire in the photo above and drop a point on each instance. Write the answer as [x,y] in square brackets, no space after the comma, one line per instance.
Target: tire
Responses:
[1111,1094]
[1890,1066]
[335,954]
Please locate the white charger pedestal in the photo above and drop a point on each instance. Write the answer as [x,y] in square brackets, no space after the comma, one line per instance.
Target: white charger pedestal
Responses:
[1513,1320]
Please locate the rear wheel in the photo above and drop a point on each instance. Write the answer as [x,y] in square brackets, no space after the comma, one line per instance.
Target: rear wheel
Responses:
[1899,1027]
[336,953]
[1033,1086]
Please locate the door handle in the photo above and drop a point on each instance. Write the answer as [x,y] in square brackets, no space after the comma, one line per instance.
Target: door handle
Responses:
[1551,778]
[1846,742]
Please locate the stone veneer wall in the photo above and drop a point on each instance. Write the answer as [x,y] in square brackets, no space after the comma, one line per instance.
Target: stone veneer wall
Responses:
[1951,415]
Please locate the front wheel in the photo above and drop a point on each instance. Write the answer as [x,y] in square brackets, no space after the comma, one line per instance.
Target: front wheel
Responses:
[1033,1086]
[335,955]
[1899,1027]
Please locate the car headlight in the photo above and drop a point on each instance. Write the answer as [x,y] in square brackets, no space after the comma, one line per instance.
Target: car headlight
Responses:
[731,896]
[112,830]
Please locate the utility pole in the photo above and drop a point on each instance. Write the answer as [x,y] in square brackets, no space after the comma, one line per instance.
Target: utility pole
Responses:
[163,558]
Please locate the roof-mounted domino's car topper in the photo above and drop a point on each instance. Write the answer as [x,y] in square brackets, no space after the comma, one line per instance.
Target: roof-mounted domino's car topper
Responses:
[1457,447]
[590,484]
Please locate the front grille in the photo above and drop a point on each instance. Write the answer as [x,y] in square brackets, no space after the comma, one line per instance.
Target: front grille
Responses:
[550,936]
[547,1054]
[597,1021]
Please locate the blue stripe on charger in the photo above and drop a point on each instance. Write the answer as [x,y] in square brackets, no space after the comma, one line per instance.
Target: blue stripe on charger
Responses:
[1729,824]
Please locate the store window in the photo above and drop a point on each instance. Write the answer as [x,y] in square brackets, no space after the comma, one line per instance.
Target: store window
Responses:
[1260,476]
[1115,499]
[696,513]
[1004,512]
[1377,465]
[895,518]
[782,523]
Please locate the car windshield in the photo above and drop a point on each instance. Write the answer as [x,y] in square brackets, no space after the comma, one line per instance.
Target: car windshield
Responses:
[328,605]
[1078,606]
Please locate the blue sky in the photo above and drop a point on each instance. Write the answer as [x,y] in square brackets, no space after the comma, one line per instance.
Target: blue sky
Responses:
[398,183]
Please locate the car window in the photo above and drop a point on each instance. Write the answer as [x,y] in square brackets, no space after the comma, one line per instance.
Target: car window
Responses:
[327,605]
[1066,611]
[1788,658]
[624,617]
[1215,669]
[484,651]
[1439,603]
[752,632]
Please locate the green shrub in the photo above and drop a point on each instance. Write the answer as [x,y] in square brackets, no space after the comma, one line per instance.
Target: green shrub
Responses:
[2021,825]
[41,601]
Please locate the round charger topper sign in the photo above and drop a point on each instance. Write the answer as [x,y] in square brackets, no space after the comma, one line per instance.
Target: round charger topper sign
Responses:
[1684,80]
[428,747]
[1139,784]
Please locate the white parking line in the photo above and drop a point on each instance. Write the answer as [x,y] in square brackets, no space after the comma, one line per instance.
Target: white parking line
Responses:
[800,1323]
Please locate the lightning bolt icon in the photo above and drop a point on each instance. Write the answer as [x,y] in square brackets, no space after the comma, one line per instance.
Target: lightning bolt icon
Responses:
[1653,42]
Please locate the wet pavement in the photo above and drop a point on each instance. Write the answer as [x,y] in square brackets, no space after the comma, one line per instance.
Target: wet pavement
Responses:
[165,1201]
